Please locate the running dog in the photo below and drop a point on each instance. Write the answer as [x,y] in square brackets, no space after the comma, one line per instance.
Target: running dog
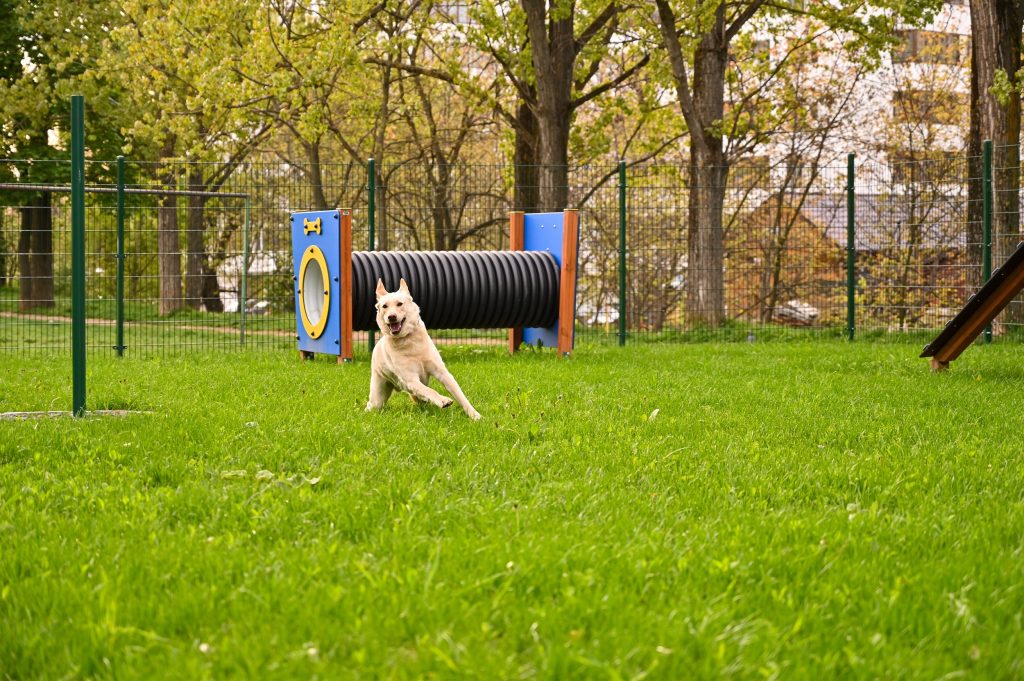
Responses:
[405,357]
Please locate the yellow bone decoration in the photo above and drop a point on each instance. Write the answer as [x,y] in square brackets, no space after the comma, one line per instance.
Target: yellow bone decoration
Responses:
[310,226]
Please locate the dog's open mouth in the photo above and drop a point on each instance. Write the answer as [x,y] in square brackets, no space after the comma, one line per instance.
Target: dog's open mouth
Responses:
[395,327]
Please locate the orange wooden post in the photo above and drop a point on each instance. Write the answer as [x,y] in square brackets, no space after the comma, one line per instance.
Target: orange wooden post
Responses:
[516,243]
[567,288]
[345,289]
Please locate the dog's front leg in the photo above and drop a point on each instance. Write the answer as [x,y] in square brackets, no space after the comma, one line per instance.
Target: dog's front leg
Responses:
[452,386]
[380,391]
[424,392]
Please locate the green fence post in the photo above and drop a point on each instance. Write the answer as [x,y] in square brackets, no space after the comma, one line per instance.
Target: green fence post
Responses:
[243,300]
[622,253]
[986,220]
[78,255]
[119,348]
[851,249]
[371,209]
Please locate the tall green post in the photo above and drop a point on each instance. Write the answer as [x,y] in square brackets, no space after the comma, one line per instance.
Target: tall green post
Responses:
[622,253]
[78,255]
[119,347]
[371,218]
[851,249]
[986,220]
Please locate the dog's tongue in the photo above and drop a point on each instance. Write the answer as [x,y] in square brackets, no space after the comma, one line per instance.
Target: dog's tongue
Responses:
[395,327]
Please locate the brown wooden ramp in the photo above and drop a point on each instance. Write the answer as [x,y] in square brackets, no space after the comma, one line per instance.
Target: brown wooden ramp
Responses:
[980,310]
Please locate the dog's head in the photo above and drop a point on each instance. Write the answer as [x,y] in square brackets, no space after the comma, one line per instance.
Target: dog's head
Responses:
[397,314]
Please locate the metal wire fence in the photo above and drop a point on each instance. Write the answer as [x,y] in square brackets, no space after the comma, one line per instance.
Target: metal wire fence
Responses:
[183,256]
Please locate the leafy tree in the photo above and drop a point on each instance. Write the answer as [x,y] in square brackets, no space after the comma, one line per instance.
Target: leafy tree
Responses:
[552,60]
[790,102]
[176,64]
[696,36]
[436,132]
[47,46]
[909,275]
[568,43]
[10,70]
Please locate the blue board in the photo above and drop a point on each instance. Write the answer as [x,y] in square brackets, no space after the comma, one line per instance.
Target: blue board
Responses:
[316,251]
[543,232]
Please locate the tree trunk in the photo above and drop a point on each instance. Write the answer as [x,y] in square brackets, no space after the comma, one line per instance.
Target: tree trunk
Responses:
[211,289]
[3,254]
[778,232]
[381,242]
[526,194]
[440,209]
[42,251]
[705,285]
[195,242]
[553,173]
[554,54]
[381,205]
[975,213]
[26,297]
[705,292]
[169,248]
[316,176]
[35,252]
[996,45]
[703,109]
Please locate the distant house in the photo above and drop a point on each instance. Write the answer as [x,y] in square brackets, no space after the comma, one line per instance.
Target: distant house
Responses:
[892,222]
[790,252]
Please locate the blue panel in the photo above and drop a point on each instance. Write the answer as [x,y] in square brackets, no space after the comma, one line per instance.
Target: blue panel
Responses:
[543,232]
[329,241]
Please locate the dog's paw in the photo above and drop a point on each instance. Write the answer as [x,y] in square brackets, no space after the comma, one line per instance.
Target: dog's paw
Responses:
[473,414]
[446,402]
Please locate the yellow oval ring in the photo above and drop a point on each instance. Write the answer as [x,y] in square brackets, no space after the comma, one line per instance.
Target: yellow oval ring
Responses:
[314,255]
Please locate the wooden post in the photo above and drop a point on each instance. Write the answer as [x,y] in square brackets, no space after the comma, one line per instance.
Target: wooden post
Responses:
[345,289]
[516,242]
[567,282]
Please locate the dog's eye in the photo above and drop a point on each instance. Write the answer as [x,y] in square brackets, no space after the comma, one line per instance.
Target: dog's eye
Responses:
[399,304]
[384,306]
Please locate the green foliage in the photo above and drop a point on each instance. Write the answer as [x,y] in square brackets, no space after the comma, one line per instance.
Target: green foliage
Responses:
[795,511]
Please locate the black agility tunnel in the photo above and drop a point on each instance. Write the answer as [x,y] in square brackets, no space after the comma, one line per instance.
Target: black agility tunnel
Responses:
[461,289]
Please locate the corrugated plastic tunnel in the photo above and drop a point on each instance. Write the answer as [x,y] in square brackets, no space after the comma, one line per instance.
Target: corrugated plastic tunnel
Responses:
[461,289]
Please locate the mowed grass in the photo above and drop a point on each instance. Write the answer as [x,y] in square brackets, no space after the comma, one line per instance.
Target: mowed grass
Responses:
[807,510]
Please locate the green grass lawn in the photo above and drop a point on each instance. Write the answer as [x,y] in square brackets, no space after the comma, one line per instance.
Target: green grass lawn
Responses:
[804,510]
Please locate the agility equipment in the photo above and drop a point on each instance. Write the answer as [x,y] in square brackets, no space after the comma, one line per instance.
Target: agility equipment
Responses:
[529,289]
[980,310]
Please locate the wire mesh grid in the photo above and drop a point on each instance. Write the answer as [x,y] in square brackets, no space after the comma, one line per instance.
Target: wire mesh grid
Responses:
[34,257]
[206,256]
[918,248]
[778,267]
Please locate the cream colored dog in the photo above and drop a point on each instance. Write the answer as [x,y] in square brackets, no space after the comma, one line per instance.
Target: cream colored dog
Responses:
[405,358]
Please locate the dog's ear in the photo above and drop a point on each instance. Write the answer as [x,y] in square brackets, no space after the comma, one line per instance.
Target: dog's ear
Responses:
[381,291]
[403,287]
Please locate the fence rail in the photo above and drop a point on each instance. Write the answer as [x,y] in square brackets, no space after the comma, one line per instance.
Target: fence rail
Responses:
[182,256]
